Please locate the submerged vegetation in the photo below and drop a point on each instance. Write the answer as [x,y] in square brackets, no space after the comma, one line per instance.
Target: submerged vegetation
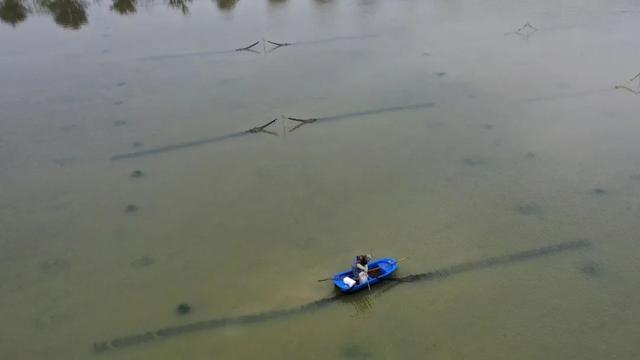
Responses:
[143,261]
[137,174]
[599,191]
[183,309]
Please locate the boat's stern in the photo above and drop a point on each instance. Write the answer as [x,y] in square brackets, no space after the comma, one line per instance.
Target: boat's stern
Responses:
[339,282]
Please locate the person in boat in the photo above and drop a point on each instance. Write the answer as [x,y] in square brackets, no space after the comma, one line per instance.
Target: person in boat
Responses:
[360,268]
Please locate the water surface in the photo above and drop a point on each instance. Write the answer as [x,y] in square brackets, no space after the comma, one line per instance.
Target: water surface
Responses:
[451,137]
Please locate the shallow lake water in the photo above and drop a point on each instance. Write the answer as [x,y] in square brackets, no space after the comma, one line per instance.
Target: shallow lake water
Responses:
[452,132]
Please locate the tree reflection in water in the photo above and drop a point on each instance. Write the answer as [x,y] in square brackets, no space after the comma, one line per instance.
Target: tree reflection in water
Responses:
[69,14]
[226,5]
[72,14]
[180,5]
[13,12]
[124,7]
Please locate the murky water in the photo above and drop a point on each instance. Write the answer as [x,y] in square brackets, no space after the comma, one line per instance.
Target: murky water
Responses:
[448,131]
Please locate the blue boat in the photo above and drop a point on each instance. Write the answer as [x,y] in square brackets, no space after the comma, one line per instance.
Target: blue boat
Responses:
[379,269]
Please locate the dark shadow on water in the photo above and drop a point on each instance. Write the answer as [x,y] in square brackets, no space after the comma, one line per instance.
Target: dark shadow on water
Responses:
[336,38]
[173,147]
[577,94]
[275,46]
[303,121]
[599,192]
[201,53]
[190,144]
[278,45]
[377,111]
[261,129]
[438,274]
[185,55]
